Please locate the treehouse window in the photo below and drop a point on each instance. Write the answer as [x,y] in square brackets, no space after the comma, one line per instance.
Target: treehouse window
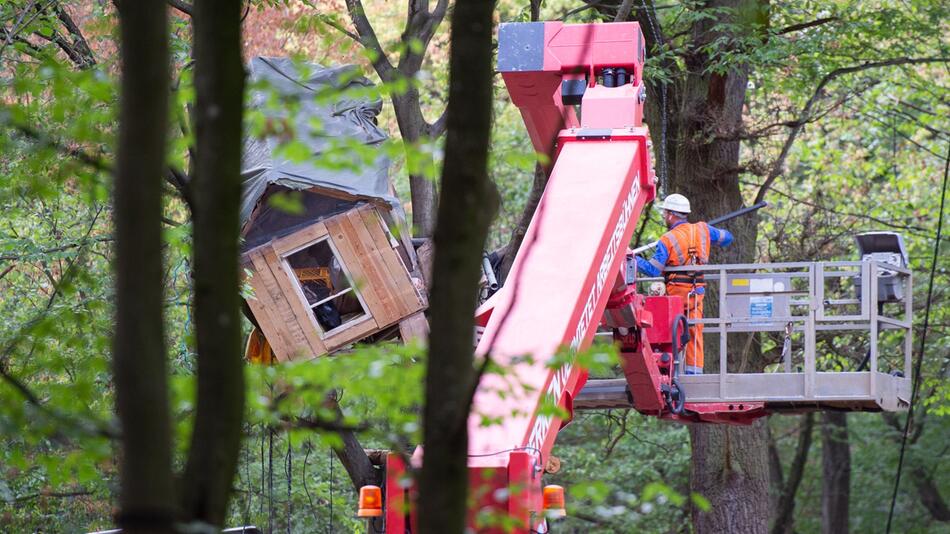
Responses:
[326,287]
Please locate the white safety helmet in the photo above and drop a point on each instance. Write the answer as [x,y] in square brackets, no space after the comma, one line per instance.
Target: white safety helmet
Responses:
[674,202]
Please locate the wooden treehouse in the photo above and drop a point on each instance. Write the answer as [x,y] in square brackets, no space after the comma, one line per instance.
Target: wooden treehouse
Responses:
[335,281]
[326,251]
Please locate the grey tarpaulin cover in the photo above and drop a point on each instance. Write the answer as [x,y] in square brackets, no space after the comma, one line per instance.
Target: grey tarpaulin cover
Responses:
[317,122]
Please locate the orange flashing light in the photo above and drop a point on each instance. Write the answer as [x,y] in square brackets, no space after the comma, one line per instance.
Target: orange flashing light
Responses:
[371,502]
[553,501]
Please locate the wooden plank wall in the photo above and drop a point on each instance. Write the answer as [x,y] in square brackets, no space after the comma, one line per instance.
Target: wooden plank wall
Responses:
[350,331]
[275,313]
[385,284]
[365,250]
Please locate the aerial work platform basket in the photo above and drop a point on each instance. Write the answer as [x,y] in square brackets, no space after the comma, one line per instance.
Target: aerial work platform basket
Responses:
[837,336]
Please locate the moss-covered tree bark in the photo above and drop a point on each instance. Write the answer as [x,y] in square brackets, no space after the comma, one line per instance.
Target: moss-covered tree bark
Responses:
[467,203]
[146,498]
[216,186]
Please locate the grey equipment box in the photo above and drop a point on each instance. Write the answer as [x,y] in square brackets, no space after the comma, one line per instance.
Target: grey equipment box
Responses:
[760,301]
[887,248]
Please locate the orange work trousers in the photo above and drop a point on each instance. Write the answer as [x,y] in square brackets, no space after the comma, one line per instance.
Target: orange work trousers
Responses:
[693,308]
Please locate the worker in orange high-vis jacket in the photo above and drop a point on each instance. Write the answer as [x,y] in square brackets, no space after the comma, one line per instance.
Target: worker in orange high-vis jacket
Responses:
[685,244]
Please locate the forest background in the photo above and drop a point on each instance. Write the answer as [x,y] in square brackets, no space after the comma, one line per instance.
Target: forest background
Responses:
[842,126]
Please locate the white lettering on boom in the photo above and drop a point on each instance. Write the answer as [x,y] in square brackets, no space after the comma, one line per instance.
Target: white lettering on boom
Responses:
[542,423]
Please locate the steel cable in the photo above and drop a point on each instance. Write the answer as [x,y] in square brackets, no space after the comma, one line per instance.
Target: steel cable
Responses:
[923,341]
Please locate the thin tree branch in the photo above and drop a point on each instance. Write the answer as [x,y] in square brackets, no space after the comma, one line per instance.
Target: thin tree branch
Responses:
[930,496]
[93,427]
[367,38]
[84,242]
[34,51]
[176,178]
[44,140]
[20,24]
[435,18]
[66,47]
[621,431]
[638,236]
[539,182]
[358,464]
[764,131]
[79,45]
[623,12]
[916,230]
[917,108]
[329,425]
[420,27]
[184,7]
[77,50]
[182,183]
[895,423]
[437,128]
[18,384]
[535,10]
[777,476]
[52,494]
[816,97]
[331,22]
[579,9]
[805,25]
[901,114]
[900,134]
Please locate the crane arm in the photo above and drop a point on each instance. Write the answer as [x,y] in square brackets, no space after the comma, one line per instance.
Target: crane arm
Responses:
[570,262]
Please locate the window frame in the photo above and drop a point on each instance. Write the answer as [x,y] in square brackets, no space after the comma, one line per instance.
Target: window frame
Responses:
[295,244]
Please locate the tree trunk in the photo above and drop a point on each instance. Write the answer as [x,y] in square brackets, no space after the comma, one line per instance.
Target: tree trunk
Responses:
[776,476]
[693,122]
[351,454]
[519,231]
[423,195]
[146,501]
[531,205]
[836,473]
[422,21]
[784,520]
[467,204]
[422,189]
[927,489]
[729,464]
[219,84]
[727,468]
[930,496]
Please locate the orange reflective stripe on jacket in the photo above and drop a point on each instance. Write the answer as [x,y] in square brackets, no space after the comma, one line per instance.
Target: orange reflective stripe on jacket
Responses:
[687,244]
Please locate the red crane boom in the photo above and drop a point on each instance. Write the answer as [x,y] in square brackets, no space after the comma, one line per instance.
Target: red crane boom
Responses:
[580,91]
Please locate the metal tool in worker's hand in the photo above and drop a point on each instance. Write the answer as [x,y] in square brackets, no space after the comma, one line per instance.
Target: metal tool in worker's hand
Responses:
[714,222]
